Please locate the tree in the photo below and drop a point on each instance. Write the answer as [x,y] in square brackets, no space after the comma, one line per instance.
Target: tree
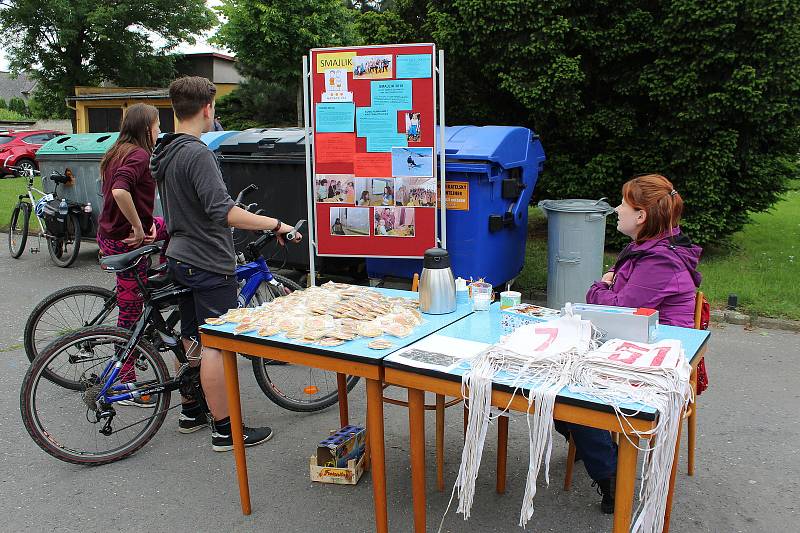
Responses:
[269,37]
[46,104]
[257,103]
[707,93]
[67,43]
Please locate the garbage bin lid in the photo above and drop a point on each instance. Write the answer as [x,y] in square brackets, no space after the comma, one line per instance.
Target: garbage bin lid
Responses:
[575,205]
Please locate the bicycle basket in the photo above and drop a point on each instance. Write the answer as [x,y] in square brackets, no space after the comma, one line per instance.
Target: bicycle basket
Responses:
[53,222]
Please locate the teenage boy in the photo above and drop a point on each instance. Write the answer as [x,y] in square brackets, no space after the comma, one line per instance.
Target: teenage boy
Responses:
[200,213]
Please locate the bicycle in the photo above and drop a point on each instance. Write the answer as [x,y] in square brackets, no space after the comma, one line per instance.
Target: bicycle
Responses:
[292,387]
[61,222]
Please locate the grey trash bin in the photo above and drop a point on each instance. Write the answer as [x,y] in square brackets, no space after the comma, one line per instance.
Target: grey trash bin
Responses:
[575,242]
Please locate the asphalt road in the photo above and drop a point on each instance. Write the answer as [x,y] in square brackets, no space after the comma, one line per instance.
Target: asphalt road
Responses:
[746,480]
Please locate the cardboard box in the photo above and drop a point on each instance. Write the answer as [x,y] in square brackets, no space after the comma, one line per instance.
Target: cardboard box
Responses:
[348,475]
[513,317]
[628,323]
[341,446]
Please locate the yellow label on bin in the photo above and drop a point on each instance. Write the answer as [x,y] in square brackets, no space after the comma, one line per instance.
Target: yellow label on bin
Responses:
[456,195]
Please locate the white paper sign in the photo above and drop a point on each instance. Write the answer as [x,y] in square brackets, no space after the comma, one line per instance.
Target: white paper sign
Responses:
[336,86]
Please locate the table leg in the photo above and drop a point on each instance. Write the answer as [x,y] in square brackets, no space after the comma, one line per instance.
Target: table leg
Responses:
[440,442]
[376,447]
[673,475]
[341,382]
[691,426]
[235,413]
[416,423]
[502,453]
[626,478]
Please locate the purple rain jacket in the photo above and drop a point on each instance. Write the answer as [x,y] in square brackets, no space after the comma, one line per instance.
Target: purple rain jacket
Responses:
[659,274]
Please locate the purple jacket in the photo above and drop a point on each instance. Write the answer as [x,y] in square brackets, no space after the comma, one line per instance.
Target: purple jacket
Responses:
[657,274]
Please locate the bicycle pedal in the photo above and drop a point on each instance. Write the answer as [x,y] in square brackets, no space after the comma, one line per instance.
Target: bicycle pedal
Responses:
[34,250]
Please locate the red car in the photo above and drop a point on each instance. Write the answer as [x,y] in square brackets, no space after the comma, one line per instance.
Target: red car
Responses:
[18,148]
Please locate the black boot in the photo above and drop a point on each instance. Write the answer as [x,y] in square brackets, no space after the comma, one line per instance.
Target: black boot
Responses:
[605,488]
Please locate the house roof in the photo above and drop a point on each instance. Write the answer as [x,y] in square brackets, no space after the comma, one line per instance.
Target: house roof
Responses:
[154,94]
[20,87]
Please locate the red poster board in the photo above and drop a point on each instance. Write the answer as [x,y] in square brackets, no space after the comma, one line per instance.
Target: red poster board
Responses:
[374,163]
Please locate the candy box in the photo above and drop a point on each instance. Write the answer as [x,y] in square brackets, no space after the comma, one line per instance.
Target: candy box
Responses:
[340,457]
[513,317]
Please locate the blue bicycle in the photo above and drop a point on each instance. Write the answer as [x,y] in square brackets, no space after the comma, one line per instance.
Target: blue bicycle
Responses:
[87,424]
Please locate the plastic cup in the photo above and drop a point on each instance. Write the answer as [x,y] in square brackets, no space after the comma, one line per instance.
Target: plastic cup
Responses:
[510,299]
[481,295]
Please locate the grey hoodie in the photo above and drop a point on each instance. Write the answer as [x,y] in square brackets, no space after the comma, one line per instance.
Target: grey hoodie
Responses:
[195,202]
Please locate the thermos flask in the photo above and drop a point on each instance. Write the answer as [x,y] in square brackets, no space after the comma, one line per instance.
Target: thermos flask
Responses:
[437,288]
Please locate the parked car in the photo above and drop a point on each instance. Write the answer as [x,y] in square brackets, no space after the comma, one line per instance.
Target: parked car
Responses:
[18,148]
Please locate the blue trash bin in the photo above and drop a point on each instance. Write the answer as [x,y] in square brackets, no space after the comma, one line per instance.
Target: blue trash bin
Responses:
[490,174]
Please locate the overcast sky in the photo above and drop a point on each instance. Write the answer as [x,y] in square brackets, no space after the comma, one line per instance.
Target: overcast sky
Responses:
[201,45]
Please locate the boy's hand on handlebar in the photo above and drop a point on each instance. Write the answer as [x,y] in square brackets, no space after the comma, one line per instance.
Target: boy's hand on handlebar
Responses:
[285,229]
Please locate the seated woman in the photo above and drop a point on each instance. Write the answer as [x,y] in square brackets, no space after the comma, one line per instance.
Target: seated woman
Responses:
[657,270]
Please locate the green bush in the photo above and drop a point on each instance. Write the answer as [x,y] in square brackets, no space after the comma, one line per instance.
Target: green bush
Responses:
[18,105]
[7,114]
[3,104]
[707,93]
[257,103]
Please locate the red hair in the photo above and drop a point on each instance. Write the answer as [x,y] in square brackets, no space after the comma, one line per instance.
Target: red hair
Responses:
[655,195]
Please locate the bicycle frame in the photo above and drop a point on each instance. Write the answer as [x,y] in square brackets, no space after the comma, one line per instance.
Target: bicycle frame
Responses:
[33,200]
[253,274]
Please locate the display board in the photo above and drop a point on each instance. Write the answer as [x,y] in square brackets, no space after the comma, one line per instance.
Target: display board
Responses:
[373,116]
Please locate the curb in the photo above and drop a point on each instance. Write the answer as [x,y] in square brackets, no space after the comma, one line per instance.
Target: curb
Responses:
[721,316]
[741,319]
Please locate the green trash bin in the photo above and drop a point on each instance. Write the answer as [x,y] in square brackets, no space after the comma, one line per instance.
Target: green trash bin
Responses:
[77,154]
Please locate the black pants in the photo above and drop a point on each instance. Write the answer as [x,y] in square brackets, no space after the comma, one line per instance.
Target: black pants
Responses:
[594,447]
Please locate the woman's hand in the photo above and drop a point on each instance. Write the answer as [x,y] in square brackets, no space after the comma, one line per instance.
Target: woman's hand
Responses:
[151,236]
[136,238]
[608,278]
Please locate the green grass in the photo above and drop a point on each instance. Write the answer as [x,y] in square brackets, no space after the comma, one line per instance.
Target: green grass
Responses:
[10,189]
[761,266]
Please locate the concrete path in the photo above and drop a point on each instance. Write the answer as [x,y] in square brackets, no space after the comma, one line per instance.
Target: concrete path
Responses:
[747,476]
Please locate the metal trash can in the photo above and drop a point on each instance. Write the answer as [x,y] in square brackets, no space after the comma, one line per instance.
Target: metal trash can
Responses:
[80,153]
[575,243]
[490,174]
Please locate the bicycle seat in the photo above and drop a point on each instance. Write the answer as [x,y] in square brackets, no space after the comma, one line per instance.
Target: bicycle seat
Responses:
[127,261]
[59,178]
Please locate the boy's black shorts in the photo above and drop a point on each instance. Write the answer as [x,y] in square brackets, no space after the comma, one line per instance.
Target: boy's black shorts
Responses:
[212,295]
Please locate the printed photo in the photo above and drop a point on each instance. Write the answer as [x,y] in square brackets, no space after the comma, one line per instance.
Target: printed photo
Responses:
[412,126]
[412,162]
[415,192]
[335,188]
[394,222]
[372,67]
[375,191]
[349,221]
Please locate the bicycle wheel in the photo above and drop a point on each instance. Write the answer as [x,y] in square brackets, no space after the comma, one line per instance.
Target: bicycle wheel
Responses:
[294,387]
[18,229]
[64,423]
[64,312]
[64,250]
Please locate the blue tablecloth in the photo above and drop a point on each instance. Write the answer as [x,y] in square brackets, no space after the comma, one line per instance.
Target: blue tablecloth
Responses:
[484,327]
[356,349]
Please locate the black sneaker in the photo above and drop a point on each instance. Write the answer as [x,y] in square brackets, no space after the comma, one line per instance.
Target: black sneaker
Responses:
[188,423]
[222,442]
[605,488]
